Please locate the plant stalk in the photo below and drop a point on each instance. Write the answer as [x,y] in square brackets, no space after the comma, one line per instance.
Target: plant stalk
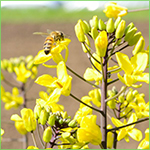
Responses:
[103,103]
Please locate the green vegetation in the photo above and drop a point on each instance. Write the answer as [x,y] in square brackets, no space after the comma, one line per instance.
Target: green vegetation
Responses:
[46,15]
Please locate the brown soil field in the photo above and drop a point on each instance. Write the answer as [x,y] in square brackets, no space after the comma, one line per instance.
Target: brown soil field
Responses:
[18,40]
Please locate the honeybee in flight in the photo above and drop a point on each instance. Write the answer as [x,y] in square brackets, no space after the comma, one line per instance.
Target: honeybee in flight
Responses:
[52,39]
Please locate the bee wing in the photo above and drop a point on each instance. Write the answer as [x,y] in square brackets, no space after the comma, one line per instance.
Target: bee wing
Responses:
[41,33]
[49,31]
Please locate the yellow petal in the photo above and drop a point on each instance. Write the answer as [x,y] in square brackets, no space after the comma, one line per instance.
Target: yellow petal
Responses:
[124,63]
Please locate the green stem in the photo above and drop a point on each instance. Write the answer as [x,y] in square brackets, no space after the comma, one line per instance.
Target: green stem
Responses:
[112,81]
[108,99]
[33,137]
[82,77]
[41,141]
[117,128]
[86,104]
[143,9]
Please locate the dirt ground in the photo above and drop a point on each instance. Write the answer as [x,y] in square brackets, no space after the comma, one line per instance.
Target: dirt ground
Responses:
[18,40]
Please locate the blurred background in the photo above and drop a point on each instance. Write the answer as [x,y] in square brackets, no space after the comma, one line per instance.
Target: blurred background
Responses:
[19,19]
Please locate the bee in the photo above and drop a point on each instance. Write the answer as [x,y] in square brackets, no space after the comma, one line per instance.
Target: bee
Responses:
[52,39]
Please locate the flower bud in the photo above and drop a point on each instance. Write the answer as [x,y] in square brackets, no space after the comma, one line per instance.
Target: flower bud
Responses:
[43,116]
[72,123]
[61,121]
[94,22]
[139,46]
[85,26]
[79,31]
[120,29]
[28,58]
[129,27]
[47,134]
[135,39]
[37,111]
[28,119]
[84,46]
[67,136]
[121,98]
[129,96]
[110,25]
[130,34]
[2,76]
[30,64]
[111,104]
[117,21]
[94,32]
[51,119]
[4,64]
[101,25]
[10,67]
[101,43]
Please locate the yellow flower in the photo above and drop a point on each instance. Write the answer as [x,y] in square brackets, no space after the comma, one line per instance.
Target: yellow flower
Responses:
[2,131]
[144,144]
[89,131]
[46,100]
[127,131]
[32,147]
[19,124]
[133,68]
[60,85]
[112,10]
[22,73]
[54,54]
[28,119]
[141,108]
[83,110]
[11,100]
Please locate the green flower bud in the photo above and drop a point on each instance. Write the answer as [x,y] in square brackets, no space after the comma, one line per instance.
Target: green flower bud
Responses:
[76,146]
[72,124]
[129,96]
[94,32]
[85,26]
[110,26]
[37,111]
[67,136]
[101,25]
[129,27]
[84,47]
[30,65]
[139,46]
[43,116]
[117,21]
[130,34]
[111,104]
[135,39]
[94,22]
[114,90]
[47,134]
[121,98]
[51,119]
[120,29]
[60,121]
[79,31]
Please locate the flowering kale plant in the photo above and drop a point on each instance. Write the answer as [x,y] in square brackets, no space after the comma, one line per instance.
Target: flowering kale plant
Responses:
[127,106]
